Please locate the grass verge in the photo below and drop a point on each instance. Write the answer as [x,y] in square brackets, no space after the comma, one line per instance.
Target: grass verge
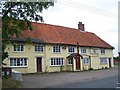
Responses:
[10,83]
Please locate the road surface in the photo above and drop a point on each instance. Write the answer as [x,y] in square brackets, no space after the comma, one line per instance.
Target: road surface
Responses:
[109,82]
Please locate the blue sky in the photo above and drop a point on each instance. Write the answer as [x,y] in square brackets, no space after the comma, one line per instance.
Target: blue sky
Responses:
[99,17]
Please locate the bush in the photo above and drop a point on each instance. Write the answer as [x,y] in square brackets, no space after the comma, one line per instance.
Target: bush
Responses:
[10,83]
[102,67]
[106,68]
[90,68]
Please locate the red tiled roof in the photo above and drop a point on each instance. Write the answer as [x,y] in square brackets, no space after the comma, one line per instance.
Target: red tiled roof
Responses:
[63,35]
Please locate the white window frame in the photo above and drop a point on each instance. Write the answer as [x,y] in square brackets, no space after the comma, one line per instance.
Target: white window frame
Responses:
[57,46]
[15,62]
[70,61]
[39,48]
[85,60]
[94,50]
[83,50]
[57,61]
[71,49]
[101,50]
[16,46]
[102,60]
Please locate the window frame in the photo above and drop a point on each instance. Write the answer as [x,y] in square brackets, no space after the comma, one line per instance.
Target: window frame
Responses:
[40,50]
[17,48]
[70,61]
[85,60]
[72,49]
[94,50]
[83,50]
[56,50]
[103,62]
[55,62]
[15,63]
[101,51]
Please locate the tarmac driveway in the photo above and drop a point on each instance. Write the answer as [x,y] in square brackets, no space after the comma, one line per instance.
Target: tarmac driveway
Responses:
[53,79]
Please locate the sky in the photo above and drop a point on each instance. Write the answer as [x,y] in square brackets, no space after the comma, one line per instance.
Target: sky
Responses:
[99,17]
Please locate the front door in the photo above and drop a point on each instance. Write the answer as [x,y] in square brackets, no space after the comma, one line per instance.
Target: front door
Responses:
[78,63]
[39,64]
[109,62]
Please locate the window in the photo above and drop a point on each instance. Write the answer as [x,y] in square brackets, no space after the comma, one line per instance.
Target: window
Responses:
[103,60]
[18,62]
[39,48]
[94,50]
[85,60]
[70,49]
[102,51]
[56,49]
[57,61]
[70,60]
[19,47]
[83,50]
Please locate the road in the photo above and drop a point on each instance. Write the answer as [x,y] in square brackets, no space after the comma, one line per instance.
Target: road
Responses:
[109,82]
[71,79]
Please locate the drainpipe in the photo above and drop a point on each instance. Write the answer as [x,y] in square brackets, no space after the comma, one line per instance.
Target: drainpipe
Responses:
[90,61]
[77,47]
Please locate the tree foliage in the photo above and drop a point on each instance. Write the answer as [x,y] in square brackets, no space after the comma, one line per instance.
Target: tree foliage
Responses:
[17,16]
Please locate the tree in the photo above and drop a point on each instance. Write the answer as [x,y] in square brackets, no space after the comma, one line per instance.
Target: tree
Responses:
[17,16]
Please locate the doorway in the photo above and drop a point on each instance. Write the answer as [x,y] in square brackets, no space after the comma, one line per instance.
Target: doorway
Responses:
[109,62]
[39,64]
[78,63]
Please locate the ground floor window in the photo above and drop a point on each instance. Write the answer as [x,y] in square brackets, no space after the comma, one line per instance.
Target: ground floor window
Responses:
[103,60]
[70,61]
[57,61]
[18,62]
[85,60]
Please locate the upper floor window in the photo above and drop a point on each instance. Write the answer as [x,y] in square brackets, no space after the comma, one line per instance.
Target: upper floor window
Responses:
[39,48]
[85,60]
[56,49]
[102,51]
[103,60]
[83,50]
[18,47]
[71,49]
[18,62]
[94,50]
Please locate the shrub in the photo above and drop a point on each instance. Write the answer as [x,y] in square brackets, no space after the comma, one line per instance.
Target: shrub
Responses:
[106,68]
[102,67]
[90,68]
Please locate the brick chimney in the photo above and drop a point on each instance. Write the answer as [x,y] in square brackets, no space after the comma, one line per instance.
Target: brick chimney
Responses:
[81,26]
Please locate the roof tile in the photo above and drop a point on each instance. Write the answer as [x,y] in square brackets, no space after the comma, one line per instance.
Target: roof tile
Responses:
[63,35]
